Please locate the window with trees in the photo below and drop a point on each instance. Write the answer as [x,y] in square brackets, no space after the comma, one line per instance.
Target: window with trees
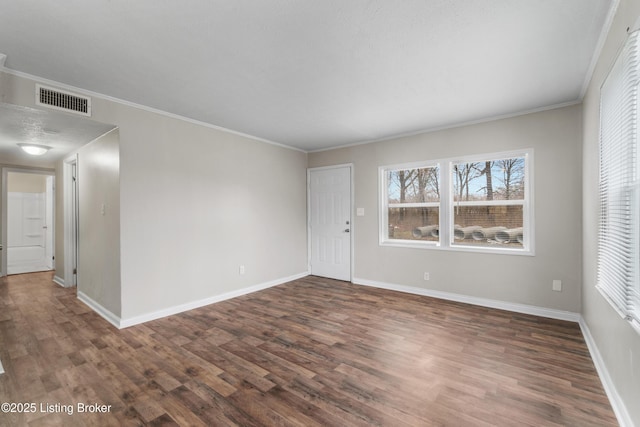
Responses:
[488,201]
[413,203]
[480,203]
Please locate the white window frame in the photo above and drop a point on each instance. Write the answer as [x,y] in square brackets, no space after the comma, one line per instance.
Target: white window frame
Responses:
[618,272]
[384,205]
[447,203]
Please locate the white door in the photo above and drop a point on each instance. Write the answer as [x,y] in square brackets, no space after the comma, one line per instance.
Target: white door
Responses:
[330,222]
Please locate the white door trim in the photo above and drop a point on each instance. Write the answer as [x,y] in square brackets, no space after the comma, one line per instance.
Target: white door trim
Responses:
[50,196]
[351,208]
[70,240]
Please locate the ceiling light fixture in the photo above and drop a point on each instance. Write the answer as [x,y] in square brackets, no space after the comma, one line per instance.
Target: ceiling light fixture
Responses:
[34,149]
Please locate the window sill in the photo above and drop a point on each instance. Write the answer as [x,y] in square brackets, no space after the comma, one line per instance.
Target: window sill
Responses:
[635,324]
[457,248]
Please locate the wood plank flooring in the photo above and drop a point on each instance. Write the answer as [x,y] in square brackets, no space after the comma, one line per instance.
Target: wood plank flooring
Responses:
[313,352]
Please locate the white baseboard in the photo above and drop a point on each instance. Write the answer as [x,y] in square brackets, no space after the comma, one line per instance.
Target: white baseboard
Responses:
[617,404]
[484,302]
[59,281]
[103,312]
[131,321]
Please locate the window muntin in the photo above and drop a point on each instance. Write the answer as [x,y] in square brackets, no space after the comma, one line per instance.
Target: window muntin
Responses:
[440,203]
[412,203]
[488,201]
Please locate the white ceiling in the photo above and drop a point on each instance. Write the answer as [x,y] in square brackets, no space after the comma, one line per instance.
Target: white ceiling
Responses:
[313,74]
[62,132]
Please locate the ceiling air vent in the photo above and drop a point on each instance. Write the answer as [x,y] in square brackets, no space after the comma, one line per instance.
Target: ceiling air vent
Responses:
[63,100]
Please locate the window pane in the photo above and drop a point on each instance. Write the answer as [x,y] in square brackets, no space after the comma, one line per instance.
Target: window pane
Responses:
[492,226]
[414,223]
[417,185]
[489,180]
[413,185]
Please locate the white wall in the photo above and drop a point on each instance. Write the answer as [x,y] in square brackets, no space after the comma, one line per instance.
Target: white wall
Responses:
[555,136]
[99,222]
[26,183]
[195,203]
[616,341]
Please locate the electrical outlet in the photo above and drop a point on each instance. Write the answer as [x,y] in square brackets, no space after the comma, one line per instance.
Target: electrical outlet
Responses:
[241,270]
[426,276]
[557,285]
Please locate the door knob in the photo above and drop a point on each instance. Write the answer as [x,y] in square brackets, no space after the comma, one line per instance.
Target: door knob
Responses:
[346,230]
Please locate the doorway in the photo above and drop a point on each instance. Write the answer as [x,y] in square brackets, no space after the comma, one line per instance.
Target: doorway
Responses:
[330,222]
[28,221]
[71,213]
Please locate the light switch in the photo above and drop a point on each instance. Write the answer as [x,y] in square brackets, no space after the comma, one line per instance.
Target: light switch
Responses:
[360,212]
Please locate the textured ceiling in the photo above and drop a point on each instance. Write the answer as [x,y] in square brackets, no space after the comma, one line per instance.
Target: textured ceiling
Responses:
[313,74]
[62,132]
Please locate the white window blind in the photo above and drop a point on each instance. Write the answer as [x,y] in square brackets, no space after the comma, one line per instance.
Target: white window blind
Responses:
[618,236]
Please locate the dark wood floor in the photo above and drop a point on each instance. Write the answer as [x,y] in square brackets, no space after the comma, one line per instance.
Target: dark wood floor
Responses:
[314,352]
